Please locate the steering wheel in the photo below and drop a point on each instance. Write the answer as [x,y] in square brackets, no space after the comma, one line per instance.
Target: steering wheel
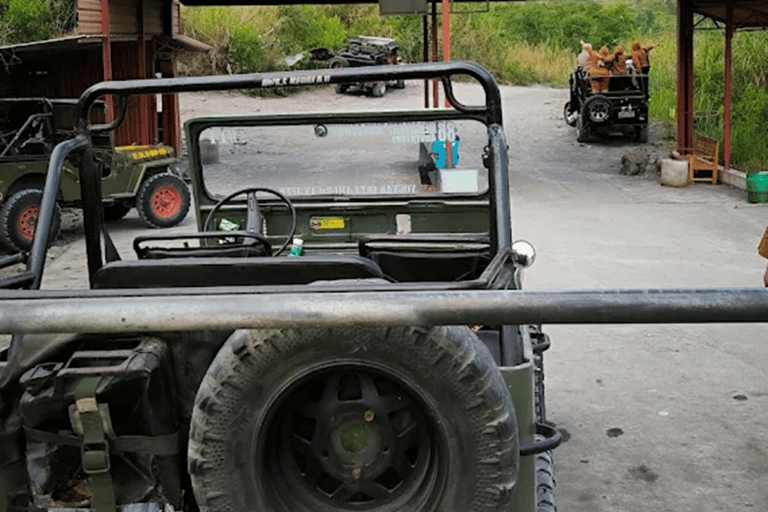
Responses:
[254,221]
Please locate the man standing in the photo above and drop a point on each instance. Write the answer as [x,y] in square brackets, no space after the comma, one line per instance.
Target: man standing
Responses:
[641,64]
[582,61]
[599,68]
[619,62]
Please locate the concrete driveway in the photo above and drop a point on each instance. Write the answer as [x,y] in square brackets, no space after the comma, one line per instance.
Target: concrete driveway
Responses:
[656,417]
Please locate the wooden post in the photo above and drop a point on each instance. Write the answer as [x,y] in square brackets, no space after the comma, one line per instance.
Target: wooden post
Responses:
[106,57]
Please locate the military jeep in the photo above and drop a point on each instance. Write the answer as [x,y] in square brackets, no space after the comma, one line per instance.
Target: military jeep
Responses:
[142,176]
[368,51]
[369,415]
[329,339]
[623,109]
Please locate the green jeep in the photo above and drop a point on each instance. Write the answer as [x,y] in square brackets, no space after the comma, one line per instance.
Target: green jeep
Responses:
[388,361]
[366,416]
[140,176]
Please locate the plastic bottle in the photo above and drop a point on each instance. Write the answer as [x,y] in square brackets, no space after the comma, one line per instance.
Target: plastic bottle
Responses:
[296,247]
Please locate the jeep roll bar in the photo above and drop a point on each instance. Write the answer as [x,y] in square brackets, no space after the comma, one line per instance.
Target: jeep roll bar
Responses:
[490,113]
[191,309]
[167,309]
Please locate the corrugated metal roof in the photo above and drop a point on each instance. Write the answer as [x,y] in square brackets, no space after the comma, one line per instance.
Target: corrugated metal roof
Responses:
[73,43]
[746,13]
[51,46]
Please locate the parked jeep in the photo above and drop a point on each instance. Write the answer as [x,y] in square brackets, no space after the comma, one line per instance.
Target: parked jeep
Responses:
[142,176]
[623,109]
[304,416]
[368,51]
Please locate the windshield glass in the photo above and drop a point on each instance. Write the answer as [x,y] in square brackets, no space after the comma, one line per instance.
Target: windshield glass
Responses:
[360,159]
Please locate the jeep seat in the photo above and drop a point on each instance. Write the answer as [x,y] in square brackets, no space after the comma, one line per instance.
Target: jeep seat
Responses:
[222,271]
[432,258]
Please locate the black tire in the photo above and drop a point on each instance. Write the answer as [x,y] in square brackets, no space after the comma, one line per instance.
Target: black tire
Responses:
[571,116]
[584,130]
[399,84]
[545,483]
[339,62]
[116,211]
[379,89]
[163,200]
[375,419]
[18,220]
[598,108]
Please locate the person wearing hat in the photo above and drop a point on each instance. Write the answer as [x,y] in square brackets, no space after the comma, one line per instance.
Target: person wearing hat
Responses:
[762,250]
[640,62]
[599,68]
[619,66]
[582,61]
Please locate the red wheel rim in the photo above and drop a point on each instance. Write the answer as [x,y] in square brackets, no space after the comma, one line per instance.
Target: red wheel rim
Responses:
[27,221]
[166,202]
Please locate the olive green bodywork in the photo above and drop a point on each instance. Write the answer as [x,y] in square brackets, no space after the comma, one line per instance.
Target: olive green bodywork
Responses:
[520,383]
[124,169]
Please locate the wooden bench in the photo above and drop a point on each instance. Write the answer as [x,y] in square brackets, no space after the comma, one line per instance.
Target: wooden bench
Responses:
[702,157]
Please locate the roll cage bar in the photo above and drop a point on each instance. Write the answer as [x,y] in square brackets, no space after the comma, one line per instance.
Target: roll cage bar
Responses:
[490,113]
[168,309]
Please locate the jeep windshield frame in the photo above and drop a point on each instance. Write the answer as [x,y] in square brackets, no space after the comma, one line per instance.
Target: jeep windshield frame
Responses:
[488,112]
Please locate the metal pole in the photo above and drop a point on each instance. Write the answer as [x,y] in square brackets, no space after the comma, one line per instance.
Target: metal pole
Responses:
[106,54]
[425,49]
[228,308]
[435,93]
[446,40]
[728,64]
[684,74]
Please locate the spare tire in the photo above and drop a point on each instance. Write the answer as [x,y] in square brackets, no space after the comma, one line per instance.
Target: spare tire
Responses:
[598,108]
[375,419]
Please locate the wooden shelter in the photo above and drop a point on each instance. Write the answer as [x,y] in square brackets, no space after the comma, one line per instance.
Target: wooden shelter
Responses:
[731,16]
[112,40]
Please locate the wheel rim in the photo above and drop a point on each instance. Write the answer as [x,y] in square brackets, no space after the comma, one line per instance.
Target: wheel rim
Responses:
[571,116]
[26,222]
[166,202]
[350,439]
[598,112]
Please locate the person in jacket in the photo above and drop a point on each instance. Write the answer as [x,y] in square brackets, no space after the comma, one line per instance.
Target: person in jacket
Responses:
[640,63]
[619,66]
[599,68]
[582,61]
[640,57]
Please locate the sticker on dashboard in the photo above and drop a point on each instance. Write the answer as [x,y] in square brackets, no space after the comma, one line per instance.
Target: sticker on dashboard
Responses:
[323,223]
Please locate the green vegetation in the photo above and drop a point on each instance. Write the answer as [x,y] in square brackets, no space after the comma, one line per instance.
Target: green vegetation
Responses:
[22,21]
[520,43]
